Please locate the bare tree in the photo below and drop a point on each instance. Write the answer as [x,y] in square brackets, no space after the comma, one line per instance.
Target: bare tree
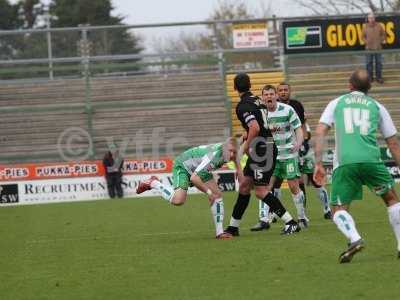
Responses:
[225,10]
[221,35]
[337,7]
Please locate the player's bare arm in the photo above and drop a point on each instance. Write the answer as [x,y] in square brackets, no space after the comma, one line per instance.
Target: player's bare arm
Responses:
[238,168]
[320,134]
[254,130]
[198,183]
[299,138]
[394,147]
[243,137]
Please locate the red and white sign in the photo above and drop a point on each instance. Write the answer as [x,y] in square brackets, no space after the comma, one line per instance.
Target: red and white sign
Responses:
[31,183]
[79,169]
[252,35]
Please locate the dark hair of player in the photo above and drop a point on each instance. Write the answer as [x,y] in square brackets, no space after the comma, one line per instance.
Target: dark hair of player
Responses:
[360,81]
[284,83]
[241,83]
[268,87]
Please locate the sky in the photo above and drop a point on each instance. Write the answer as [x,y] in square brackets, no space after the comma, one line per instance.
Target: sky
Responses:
[161,11]
[155,11]
[167,11]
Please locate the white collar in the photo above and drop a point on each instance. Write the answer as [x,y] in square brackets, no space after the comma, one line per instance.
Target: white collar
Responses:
[357,92]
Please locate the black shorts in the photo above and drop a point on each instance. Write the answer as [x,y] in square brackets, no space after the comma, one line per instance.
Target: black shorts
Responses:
[261,170]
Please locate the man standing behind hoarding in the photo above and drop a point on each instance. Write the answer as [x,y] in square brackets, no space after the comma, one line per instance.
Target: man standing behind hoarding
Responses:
[113,163]
[374,36]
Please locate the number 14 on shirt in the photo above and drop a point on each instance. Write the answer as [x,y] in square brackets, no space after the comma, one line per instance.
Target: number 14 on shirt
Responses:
[356,117]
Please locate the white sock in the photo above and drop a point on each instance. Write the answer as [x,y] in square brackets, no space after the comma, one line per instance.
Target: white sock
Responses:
[263,211]
[346,225]
[286,217]
[324,198]
[272,216]
[298,200]
[166,191]
[394,218]
[278,193]
[234,222]
[217,211]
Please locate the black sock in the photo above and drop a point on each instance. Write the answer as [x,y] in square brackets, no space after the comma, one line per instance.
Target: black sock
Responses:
[275,205]
[303,188]
[240,206]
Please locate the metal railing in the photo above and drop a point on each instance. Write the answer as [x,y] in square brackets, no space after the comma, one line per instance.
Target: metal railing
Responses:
[68,53]
[78,44]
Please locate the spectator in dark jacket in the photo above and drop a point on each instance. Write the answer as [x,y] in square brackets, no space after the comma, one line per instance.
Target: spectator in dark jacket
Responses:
[374,36]
[113,163]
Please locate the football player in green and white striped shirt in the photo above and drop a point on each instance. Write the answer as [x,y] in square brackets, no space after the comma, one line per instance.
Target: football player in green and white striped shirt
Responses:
[357,159]
[287,132]
[194,167]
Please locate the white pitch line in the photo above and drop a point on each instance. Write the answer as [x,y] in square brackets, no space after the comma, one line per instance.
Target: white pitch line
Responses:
[155,234]
[112,237]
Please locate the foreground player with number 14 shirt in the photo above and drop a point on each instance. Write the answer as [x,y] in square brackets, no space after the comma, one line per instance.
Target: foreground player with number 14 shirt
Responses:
[357,159]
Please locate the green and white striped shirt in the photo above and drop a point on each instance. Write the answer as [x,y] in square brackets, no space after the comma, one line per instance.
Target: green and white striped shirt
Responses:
[205,158]
[283,122]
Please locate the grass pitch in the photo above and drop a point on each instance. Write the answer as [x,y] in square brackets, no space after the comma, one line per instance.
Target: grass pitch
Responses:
[146,249]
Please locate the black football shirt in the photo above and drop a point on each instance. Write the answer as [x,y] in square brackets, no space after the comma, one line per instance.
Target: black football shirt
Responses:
[251,108]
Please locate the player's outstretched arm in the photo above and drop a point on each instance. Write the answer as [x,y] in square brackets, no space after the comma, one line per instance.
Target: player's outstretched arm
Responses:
[394,147]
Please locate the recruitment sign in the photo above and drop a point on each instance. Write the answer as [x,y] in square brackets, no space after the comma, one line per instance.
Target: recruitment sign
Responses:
[36,183]
[332,35]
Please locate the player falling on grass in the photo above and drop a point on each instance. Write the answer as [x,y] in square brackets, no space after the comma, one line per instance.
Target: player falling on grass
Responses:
[357,159]
[287,132]
[261,159]
[194,167]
